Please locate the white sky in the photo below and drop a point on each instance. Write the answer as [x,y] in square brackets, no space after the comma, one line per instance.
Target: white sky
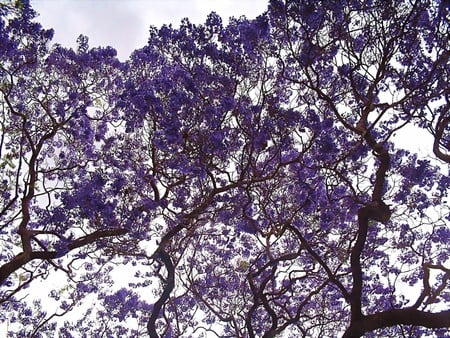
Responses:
[123,24]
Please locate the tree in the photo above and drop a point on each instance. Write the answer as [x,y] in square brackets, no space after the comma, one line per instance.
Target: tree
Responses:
[247,177]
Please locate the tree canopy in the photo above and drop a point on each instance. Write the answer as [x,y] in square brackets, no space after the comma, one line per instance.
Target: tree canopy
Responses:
[245,179]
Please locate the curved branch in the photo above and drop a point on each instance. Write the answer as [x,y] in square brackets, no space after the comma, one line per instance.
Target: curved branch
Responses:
[441,125]
[167,261]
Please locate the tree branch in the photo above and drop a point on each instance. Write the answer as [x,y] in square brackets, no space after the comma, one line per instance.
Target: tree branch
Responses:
[394,317]
[23,258]
[442,123]
[378,211]
[167,261]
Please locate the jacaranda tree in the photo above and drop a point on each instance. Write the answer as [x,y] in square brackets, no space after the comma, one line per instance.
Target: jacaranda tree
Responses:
[239,180]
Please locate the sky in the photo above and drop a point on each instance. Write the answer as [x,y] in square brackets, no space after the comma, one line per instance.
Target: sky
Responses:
[123,24]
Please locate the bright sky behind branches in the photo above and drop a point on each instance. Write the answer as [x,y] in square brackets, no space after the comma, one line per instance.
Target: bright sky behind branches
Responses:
[123,24]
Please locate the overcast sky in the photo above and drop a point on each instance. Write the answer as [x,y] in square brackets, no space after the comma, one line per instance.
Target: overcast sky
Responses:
[123,24]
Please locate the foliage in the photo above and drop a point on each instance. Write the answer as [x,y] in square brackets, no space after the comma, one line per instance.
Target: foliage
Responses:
[239,180]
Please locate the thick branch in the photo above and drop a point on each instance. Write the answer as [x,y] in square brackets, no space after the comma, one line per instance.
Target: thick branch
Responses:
[440,128]
[91,238]
[151,325]
[355,296]
[378,211]
[398,317]
[23,258]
